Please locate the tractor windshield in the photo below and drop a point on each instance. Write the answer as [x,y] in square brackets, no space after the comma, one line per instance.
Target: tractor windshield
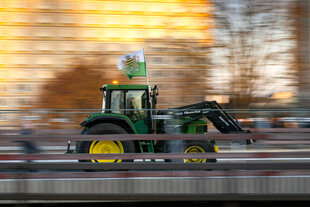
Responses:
[117,101]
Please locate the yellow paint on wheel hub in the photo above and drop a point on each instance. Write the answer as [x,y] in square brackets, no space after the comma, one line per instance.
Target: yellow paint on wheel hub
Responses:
[104,147]
[195,149]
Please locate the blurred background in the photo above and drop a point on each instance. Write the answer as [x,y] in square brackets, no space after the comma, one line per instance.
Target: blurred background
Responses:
[246,54]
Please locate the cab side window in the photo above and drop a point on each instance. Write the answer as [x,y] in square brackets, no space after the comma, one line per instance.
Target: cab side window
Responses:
[136,101]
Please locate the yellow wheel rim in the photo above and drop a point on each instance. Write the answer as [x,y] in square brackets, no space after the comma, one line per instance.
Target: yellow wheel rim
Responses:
[195,149]
[103,147]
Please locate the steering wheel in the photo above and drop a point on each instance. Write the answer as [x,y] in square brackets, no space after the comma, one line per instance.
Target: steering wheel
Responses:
[134,116]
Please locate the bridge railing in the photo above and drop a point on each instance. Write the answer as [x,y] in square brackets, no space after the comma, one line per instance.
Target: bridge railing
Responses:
[289,154]
[276,166]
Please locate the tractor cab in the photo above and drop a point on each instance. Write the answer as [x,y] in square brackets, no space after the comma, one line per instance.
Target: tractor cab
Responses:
[130,100]
[127,106]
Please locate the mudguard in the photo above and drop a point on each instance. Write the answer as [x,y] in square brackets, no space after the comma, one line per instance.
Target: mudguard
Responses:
[118,119]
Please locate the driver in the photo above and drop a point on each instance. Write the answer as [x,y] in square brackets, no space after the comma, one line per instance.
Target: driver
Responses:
[131,103]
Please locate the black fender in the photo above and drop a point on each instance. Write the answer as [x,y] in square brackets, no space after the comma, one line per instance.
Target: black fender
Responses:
[122,121]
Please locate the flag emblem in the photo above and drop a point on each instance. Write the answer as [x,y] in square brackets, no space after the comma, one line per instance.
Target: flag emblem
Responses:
[130,64]
[133,64]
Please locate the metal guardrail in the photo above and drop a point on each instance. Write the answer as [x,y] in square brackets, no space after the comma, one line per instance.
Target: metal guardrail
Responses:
[123,137]
[234,176]
[299,136]
[156,166]
[132,156]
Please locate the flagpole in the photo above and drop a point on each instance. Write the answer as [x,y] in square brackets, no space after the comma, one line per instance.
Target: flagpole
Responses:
[147,74]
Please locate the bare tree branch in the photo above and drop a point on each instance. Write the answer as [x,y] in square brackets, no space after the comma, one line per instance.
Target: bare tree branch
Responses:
[254,36]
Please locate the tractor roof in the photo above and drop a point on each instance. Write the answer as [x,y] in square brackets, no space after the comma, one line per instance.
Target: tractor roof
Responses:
[119,87]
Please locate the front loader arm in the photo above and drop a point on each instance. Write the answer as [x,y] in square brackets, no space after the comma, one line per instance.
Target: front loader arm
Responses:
[211,110]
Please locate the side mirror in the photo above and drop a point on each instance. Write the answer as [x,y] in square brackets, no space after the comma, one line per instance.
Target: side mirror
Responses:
[154,95]
[154,91]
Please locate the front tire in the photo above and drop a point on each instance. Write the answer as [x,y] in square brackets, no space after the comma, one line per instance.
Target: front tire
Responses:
[189,146]
[193,146]
[102,147]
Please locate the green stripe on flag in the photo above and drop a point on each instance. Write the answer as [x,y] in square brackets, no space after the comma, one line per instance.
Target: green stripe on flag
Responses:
[130,71]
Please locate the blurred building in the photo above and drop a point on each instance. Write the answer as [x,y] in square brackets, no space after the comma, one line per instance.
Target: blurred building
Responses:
[180,69]
[40,37]
[302,25]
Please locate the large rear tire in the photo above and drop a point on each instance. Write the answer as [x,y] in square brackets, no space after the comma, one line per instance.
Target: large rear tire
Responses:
[189,146]
[101,146]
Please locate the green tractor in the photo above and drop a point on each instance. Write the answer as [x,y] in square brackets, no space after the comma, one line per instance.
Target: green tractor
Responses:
[130,109]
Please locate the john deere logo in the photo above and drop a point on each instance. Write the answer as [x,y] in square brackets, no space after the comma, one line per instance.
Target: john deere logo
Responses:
[130,64]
